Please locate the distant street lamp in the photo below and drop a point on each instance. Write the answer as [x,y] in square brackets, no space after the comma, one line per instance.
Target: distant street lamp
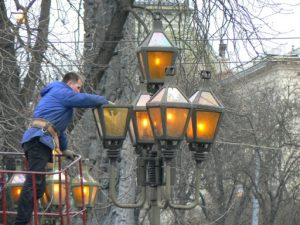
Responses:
[156,55]
[21,17]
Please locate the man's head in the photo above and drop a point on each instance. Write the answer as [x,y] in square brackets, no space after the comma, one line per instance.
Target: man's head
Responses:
[73,80]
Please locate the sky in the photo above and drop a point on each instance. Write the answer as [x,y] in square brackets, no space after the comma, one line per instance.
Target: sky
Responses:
[288,23]
[279,38]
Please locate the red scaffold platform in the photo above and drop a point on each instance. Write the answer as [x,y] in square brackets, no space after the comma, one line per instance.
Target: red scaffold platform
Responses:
[63,211]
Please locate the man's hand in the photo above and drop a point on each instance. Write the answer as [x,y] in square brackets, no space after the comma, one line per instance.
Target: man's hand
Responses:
[69,154]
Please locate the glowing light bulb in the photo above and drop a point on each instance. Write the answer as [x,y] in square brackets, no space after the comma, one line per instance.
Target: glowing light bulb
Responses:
[157,61]
[56,188]
[145,122]
[85,190]
[18,191]
[201,127]
[170,117]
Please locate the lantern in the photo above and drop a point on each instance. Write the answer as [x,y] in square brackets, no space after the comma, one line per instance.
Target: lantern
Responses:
[205,120]
[155,55]
[55,193]
[169,111]
[112,123]
[89,187]
[15,184]
[205,117]
[140,128]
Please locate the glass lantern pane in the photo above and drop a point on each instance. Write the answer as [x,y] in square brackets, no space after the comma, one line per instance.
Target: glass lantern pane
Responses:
[132,133]
[189,131]
[157,62]
[159,39]
[174,95]
[18,179]
[192,98]
[158,97]
[156,121]
[206,124]
[208,99]
[144,126]
[98,124]
[15,194]
[143,100]
[115,121]
[78,197]
[141,61]
[94,193]
[52,192]
[176,119]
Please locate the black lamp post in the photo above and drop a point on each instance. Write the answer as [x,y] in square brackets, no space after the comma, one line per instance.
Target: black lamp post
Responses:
[205,120]
[156,56]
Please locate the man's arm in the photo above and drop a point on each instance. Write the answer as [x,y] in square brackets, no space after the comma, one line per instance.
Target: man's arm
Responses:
[81,100]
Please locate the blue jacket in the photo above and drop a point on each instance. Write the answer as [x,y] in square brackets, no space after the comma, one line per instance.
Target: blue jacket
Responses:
[56,106]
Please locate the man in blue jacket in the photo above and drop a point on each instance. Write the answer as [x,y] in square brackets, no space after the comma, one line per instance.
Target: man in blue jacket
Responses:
[47,132]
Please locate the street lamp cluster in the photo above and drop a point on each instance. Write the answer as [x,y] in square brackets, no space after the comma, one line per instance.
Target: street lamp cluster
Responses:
[163,117]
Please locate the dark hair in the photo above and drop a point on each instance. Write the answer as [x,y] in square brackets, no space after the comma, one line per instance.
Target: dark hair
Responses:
[71,76]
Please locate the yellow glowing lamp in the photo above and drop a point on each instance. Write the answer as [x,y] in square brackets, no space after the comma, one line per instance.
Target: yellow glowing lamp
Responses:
[169,111]
[15,184]
[140,128]
[112,124]
[89,187]
[205,117]
[155,54]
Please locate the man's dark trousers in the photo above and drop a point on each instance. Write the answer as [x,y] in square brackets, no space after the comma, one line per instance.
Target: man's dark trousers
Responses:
[38,155]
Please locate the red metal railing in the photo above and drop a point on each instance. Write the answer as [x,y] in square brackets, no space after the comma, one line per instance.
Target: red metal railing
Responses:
[64,211]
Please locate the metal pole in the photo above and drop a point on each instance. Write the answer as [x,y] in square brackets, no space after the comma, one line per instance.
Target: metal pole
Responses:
[154,210]
[255,204]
